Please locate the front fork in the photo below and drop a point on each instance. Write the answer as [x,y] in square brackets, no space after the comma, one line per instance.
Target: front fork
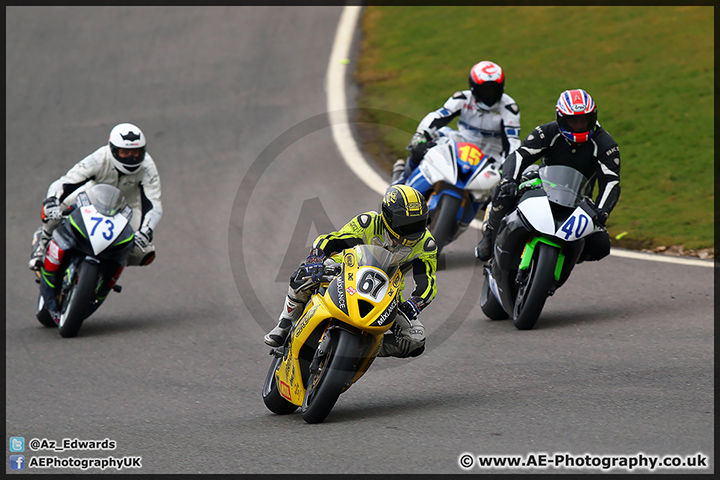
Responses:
[528,253]
[69,278]
[320,352]
[101,291]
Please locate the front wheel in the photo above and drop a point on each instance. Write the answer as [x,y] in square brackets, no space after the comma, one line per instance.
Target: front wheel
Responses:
[271,396]
[445,220]
[74,309]
[335,371]
[531,296]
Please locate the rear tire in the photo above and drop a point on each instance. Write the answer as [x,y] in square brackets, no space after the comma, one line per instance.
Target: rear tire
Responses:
[336,370]
[74,309]
[445,220]
[271,396]
[489,304]
[532,295]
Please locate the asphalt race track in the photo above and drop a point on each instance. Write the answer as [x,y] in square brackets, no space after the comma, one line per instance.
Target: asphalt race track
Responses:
[233,102]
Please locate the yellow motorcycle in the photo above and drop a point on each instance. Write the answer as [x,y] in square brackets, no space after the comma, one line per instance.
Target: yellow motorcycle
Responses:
[339,334]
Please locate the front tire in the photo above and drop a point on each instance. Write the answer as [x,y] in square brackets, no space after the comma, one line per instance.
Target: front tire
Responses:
[271,396]
[445,220]
[336,370]
[75,307]
[531,296]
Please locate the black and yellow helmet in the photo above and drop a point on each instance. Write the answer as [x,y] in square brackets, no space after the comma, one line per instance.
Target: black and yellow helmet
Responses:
[405,214]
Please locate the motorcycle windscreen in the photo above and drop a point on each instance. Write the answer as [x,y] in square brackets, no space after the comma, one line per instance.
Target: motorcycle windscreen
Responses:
[108,200]
[564,185]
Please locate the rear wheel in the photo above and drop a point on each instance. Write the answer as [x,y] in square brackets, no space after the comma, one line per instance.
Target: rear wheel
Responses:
[445,220]
[74,309]
[271,396]
[531,296]
[489,304]
[335,371]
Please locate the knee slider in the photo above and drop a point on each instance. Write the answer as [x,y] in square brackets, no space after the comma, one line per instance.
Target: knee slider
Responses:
[417,352]
[147,259]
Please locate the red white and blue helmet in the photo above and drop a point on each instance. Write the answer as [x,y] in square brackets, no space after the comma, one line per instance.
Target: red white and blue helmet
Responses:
[487,83]
[576,115]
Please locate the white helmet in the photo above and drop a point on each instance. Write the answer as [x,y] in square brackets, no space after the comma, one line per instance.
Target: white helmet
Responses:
[128,137]
[487,83]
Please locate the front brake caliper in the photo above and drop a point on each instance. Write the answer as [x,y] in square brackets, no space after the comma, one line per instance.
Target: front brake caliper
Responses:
[320,352]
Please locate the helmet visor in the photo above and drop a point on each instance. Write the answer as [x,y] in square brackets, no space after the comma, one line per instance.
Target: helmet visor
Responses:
[488,93]
[410,229]
[131,156]
[578,123]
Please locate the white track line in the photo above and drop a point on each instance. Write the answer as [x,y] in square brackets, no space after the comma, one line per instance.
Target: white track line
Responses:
[353,157]
[335,87]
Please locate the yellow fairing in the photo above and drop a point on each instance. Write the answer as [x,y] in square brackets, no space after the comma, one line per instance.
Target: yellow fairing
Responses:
[288,377]
[362,298]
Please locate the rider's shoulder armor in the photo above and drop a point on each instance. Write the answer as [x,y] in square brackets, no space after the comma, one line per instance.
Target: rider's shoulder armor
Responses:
[605,142]
[509,108]
[364,220]
[428,243]
[541,136]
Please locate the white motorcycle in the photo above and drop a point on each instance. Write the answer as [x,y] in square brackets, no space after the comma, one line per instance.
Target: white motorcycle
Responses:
[538,244]
[460,176]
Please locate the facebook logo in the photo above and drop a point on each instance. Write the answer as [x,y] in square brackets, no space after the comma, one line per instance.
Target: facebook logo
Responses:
[17,462]
[17,444]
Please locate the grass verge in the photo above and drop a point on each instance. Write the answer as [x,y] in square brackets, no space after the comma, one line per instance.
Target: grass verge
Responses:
[649,69]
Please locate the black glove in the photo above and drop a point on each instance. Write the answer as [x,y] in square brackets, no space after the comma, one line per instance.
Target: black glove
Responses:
[51,209]
[599,215]
[508,188]
[420,142]
[418,139]
[530,173]
[314,264]
[411,308]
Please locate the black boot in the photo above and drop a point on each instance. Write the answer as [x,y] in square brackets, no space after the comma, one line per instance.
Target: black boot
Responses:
[484,249]
[499,205]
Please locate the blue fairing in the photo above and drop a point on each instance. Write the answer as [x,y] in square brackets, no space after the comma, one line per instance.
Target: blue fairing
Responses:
[435,199]
[470,213]
[418,181]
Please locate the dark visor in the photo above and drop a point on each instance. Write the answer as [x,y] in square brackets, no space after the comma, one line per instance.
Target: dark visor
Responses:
[410,230]
[133,159]
[578,123]
[488,93]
